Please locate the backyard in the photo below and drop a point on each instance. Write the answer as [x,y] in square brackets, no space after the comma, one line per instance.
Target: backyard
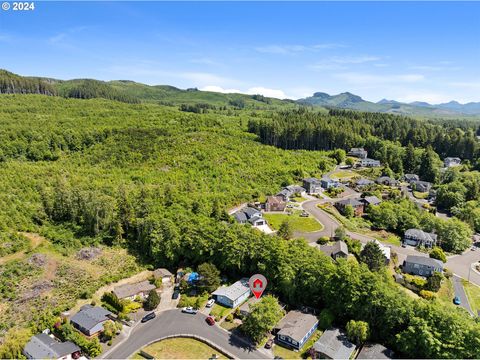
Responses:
[179,348]
[298,223]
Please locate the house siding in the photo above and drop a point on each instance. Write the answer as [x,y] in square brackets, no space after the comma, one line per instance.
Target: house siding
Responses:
[225,301]
[287,340]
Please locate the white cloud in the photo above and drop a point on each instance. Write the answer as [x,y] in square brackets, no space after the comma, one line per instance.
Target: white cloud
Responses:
[372,79]
[292,49]
[274,93]
[342,62]
[467,84]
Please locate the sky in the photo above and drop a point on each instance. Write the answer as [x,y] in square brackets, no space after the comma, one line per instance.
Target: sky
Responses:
[405,51]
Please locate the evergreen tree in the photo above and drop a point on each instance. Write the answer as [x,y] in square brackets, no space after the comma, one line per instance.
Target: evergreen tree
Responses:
[373,256]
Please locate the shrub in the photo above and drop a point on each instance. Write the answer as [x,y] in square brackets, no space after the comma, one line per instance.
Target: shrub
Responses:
[437,253]
[152,301]
[229,318]
[323,240]
[428,295]
[326,318]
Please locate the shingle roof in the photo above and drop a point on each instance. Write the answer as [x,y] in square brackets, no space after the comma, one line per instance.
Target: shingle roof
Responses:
[375,351]
[233,291]
[340,246]
[275,200]
[89,316]
[334,344]
[161,272]
[423,260]
[362,182]
[296,325]
[420,235]
[372,200]
[127,290]
[352,202]
[311,180]
[42,346]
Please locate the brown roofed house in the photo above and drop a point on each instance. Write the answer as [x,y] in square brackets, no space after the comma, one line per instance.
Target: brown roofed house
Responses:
[275,203]
[130,291]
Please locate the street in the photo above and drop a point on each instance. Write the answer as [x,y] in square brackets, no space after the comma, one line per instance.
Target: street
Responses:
[460,292]
[174,323]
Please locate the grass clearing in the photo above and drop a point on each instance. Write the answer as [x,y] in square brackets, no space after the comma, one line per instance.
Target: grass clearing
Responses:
[302,224]
[420,195]
[220,311]
[473,294]
[180,348]
[446,292]
[343,174]
[299,199]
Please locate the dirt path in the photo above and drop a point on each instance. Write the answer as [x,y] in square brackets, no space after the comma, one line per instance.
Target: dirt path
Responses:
[35,241]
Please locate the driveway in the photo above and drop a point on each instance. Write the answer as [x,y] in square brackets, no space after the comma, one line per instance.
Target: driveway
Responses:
[460,292]
[174,322]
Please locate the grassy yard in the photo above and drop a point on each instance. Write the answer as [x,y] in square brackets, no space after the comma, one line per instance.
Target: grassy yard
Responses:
[303,224]
[179,348]
[302,354]
[343,174]
[299,199]
[473,294]
[420,195]
[446,292]
[219,311]
[229,325]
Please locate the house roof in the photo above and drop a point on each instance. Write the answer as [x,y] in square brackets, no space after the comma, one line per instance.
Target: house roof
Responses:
[127,290]
[409,177]
[369,159]
[246,213]
[385,249]
[423,260]
[361,182]
[352,202]
[457,159]
[250,211]
[420,235]
[375,351]
[246,305]
[240,216]
[42,346]
[312,181]
[233,291]
[372,200]
[275,200]
[161,272]
[334,344]
[296,325]
[340,246]
[89,316]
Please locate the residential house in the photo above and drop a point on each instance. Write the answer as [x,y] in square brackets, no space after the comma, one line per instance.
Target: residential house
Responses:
[294,330]
[451,161]
[370,200]
[336,251]
[417,237]
[290,191]
[90,319]
[250,215]
[362,183]
[312,185]
[233,295]
[421,265]
[358,152]
[421,186]
[354,203]
[164,274]
[328,183]
[131,291]
[333,344]
[245,308]
[386,180]
[411,178]
[375,351]
[43,346]
[275,203]
[367,162]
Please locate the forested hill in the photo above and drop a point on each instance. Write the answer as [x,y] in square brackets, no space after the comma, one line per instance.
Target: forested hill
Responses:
[11,83]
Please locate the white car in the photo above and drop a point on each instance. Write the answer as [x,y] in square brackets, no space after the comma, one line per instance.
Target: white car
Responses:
[210,302]
[189,310]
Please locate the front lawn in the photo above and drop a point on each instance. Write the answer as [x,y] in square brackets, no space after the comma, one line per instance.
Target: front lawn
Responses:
[193,301]
[299,199]
[302,354]
[298,223]
[343,174]
[420,195]
[179,348]
[473,294]
[219,311]
[446,292]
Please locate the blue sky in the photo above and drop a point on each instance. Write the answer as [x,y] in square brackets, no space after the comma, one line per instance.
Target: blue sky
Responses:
[404,51]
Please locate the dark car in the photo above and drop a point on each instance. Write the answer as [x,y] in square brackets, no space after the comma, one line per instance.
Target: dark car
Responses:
[210,320]
[269,344]
[148,317]
[175,294]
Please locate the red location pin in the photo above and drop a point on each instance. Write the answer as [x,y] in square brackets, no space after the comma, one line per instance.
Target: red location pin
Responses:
[257,284]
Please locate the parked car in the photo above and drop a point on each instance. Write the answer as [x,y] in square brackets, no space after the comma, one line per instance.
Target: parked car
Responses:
[269,344]
[304,214]
[175,294]
[210,302]
[148,317]
[210,320]
[189,310]
[473,248]
[456,300]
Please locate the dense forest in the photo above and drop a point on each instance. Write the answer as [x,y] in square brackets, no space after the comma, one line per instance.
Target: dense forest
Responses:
[13,84]
[157,181]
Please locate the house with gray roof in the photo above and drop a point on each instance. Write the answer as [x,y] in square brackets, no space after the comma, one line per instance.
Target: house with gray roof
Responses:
[312,185]
[233,295]
[131,291]
[333,344]
[369,162]
[421,265]
[294,330]
[43,346]
[370,200]
[362,183]
[250,215]
[375,351]
[90,319]
[338,250]
[291,190]
[327,183]
[354,203]
[358,152]
[162,273]
[421,186]
[417,237]
[386,180]
[411,177]
[452,161]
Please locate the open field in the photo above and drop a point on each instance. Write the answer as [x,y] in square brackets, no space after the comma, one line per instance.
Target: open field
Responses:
[298,223]
[180,348]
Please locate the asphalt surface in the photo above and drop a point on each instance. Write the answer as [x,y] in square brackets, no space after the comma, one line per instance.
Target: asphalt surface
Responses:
[460,292]
[174,322]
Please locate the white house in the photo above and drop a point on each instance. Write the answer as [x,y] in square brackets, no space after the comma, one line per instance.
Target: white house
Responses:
[233,295]
[451,161]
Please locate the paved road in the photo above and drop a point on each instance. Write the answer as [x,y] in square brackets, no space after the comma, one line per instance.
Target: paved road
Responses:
[460,292]
[174,322]
[460,265]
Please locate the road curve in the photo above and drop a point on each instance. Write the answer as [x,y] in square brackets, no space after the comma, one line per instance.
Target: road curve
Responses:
[174,322]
